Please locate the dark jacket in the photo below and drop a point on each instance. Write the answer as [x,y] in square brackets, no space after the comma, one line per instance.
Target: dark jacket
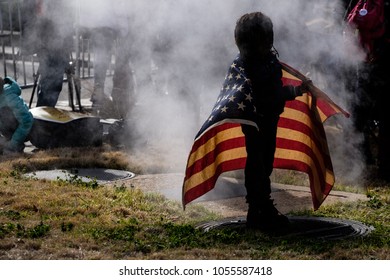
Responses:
[10,98]
[269,93]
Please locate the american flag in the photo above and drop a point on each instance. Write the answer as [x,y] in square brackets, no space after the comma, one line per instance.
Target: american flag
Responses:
[235,101]
[301,143]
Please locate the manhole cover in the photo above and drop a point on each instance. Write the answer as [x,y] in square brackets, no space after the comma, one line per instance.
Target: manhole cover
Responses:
[313,227]
[101,175]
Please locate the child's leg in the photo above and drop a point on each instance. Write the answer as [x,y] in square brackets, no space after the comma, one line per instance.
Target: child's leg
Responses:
[262,213]
[257,182]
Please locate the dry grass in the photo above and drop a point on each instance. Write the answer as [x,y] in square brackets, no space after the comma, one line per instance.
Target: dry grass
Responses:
[65,158]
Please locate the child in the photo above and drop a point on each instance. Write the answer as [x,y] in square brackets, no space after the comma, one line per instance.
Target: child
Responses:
[15,118]
[254,39]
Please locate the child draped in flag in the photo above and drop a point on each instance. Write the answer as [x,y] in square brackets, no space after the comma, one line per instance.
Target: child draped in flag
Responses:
[254,39]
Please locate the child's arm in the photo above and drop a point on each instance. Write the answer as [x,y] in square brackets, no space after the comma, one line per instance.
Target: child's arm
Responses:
[291,92]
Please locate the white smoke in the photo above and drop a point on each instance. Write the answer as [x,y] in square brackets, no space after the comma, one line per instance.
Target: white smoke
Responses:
[182,50]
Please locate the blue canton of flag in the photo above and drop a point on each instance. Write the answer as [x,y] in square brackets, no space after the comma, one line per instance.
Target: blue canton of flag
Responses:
[235,103]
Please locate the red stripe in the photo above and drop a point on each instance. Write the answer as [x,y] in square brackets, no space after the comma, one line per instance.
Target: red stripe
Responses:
[211,133]
[298,105]
[290,82]
[301,166]
[326,108]
[303,108]
[291,164]
[318,136]
[209,184]
[210,157]
[298,146]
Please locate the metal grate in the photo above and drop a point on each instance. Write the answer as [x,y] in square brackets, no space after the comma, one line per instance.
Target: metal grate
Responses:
[310,227]
[101,175]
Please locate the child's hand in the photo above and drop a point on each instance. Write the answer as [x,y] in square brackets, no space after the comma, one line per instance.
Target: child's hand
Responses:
[306,85]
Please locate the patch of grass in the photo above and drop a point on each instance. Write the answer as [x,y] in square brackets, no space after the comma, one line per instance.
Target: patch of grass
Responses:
[21,231]
[66,226]
[78,181]
[63,158]
[5,229]
[37,231]
[289,177]
[11,214]
[124,233]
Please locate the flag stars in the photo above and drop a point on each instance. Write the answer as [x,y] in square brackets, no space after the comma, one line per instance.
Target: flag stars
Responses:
[248,97]
[231,98]
[238,76]
[230,76]
[233,65]
[224,109]
[240,88]
[241,106]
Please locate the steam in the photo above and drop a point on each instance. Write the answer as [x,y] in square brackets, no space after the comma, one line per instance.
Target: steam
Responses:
[182,49]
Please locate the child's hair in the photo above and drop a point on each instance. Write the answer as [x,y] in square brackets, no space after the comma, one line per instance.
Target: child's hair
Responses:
[254,31]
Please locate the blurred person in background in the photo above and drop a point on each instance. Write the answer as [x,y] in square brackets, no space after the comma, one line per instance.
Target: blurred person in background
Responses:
[48,28]
[15,118]
[369,21]
[107,25]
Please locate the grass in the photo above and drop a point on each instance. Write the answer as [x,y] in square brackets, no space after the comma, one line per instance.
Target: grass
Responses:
[71,219]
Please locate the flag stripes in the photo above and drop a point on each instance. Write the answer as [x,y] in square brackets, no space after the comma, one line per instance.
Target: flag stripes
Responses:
[218,150]
[302,144]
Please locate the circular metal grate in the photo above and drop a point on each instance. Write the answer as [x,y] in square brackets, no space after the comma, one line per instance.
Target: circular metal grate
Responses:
[101,175]
[312,227]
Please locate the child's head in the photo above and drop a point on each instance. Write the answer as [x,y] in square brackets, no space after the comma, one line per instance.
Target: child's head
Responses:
[254,35]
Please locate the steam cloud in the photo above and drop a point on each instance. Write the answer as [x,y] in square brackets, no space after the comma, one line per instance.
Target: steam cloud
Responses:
[182,49]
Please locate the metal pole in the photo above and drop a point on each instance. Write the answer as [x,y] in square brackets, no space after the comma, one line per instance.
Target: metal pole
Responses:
[76,78]
[12,37]
[77,41]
